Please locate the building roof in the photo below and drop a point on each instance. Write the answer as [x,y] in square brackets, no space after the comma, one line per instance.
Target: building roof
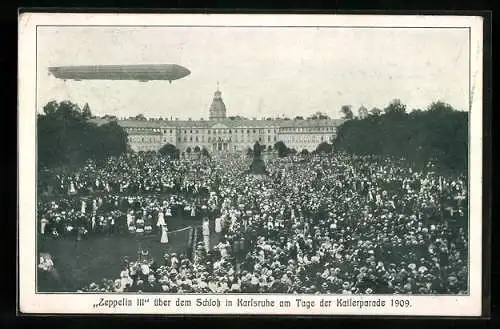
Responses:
[229,123]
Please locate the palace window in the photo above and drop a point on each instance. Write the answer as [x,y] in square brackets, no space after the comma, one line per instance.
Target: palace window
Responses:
[190,138]
[209,138]
[196,138]
[209,131]
[185,138]
[196,131]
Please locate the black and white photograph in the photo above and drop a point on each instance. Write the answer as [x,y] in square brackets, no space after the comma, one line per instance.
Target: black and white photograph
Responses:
[244,164]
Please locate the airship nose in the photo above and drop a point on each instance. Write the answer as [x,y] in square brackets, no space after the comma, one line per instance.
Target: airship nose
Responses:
[186,72]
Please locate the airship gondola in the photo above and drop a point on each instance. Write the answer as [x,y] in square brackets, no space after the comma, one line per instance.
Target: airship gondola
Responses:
[142,73]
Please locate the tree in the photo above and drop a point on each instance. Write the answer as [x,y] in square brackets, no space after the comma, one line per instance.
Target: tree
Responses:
[188,150]
[66,137]
[324,147]
[304,152]
[362,112]
[87,114]
[197,149]
[204,152]
[269,148]
[318,116]
[375,111]
[439,134]
[346,111]
[299,117]
[169,150]
[140,117]
[50,108]
[395,106]
[440,107]
[282,149]
[249,152]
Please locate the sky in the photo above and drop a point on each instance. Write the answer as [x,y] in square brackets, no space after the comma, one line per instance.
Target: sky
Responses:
[262,72]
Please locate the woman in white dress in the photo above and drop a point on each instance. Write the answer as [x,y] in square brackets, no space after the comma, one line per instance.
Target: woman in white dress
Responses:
[218,225]
[71,189]
[43,223]
[161,219]
[164,234]
[83,207]
[206,233]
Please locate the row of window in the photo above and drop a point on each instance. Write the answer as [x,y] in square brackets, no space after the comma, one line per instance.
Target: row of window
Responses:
[240,130]
[304,139]
[298,138]
[307,129]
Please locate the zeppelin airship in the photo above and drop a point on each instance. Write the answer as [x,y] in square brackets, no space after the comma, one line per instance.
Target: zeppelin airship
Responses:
[141,73]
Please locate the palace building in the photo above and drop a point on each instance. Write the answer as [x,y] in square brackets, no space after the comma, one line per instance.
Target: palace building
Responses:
[227,134]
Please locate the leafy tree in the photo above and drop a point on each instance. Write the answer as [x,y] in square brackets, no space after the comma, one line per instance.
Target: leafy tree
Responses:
[67,138]
[440,134]
[282,149]
[87,114]
[395,106]
[140,117]
[50,108]
[204,152]
[197,149]
[440,107]
[169,150]
[269,148]
[362,112]
[188,150]
[324,147]
[249,152]
[346,111]
[318,116]
[375,111]
[299,117]
[304,152]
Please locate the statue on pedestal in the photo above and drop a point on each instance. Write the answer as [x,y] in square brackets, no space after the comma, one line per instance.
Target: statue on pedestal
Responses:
[258,166]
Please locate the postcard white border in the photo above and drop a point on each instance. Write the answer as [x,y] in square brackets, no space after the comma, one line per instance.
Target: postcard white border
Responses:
[30,302]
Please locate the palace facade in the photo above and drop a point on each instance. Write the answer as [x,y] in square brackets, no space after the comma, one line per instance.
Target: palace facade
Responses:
[227,134]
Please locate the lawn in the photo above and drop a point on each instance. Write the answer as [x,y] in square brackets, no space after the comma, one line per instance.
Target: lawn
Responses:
[82,262]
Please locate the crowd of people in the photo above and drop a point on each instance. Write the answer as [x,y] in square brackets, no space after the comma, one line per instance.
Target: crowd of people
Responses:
[315,224]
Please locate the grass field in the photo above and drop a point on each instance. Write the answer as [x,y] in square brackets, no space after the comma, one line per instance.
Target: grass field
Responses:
[82,262]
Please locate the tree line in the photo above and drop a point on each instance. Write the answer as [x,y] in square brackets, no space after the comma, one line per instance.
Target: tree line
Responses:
[439,134]
[66,137]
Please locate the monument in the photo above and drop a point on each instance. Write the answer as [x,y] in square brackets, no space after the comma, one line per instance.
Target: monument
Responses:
[258,166]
